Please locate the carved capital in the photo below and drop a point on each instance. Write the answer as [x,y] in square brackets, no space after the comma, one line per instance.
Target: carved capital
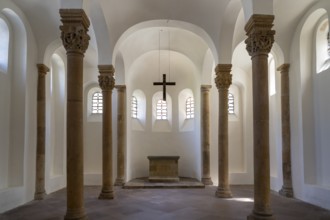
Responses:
[284,68]
[106,77]
[74,30]
[42,69]
[223,77]
[260,36]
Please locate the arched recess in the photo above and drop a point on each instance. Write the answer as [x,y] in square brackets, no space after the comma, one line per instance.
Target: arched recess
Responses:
[5,92]
[92,136]
[311,162]
[161,123]
[56,122]
[186,124]
[139,122]
[235,129]
[15,91]
[321,80]
[275,135]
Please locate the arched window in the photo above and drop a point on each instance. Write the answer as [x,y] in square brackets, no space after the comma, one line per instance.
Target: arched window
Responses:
[134,107]
[231,104]
[271,75]
[161,110]
[190,108]
[97,103]
[322,43]
[4,45]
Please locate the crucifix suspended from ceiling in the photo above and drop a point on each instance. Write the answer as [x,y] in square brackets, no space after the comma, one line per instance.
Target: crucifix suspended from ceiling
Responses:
[164,83]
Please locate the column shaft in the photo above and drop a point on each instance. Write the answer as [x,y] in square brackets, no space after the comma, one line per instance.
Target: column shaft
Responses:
[286,134]
[259,43]
[205,121]
[107,82]
[223,81]
[41,111]
[75,40]
[121,135]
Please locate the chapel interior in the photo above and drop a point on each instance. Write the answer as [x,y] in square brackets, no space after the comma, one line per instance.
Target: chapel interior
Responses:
[230,97]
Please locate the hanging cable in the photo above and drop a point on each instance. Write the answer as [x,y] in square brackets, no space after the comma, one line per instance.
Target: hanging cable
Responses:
[169,55]
[159,73]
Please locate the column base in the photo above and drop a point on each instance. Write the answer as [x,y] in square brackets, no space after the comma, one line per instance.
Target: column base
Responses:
[223,193]
[119,182]
[286,191]
[40,195]
[207,181]
[259,216]
[106,195]
[75,215]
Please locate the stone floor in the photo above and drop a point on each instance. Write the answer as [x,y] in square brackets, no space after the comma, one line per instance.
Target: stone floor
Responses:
[143,183]
[166,204]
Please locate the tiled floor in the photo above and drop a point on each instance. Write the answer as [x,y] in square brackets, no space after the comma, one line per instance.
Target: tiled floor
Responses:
[166,204]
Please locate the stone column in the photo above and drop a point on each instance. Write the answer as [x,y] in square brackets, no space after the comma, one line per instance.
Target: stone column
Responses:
[205,120]
[41,111]
[121,135]
[286,190]
[223,81]
[75,40]
[258,44]
[107,83]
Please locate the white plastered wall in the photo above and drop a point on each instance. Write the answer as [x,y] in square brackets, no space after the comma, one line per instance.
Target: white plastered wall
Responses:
[22,117]
[307,127]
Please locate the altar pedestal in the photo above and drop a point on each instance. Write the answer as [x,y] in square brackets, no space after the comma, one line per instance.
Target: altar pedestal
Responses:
[163,168]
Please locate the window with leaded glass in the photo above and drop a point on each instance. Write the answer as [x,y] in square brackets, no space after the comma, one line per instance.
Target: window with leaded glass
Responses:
[134,107]
[231,105]
[97,103]
[161,110]
[190,111]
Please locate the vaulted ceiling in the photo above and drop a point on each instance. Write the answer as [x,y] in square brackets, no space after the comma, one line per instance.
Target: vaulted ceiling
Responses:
[195,25]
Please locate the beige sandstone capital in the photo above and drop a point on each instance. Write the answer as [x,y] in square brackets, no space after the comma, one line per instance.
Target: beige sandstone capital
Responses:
[223,77]
[260,36]
[106,77]
[284,68]
[42,69]
[74,30]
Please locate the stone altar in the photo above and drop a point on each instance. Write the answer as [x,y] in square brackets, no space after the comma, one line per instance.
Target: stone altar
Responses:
[163,168]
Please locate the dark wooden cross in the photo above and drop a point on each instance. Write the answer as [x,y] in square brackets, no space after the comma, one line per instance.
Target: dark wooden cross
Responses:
[164,84]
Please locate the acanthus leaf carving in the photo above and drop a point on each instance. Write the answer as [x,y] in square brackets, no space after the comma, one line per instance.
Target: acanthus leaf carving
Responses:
[260,41]
[74,37]
[223,77]
[106,81]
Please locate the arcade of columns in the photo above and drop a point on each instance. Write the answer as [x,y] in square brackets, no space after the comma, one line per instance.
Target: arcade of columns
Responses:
[75,40]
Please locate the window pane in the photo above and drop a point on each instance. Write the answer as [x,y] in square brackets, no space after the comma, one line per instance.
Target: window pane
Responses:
[134,107]
[190,108]
[231,107]
[97,103]
[4,45]
[161,110]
